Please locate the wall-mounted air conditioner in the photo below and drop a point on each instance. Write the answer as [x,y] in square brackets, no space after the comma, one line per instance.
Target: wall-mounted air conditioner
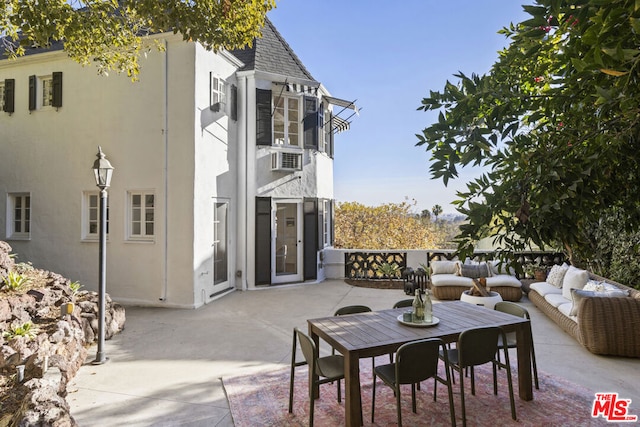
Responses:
[285,161]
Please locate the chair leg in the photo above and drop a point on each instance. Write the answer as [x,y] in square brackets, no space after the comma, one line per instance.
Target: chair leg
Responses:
[414,408]
[291,375]
[535,367]
[398,404]
[464,413]
[473,381]
[495,378]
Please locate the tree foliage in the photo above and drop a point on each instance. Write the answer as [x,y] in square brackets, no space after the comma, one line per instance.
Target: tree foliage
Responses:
[388,226]
[555,126]
[111,32]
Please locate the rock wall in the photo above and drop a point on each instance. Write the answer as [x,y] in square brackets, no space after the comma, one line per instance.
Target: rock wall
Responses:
[35,368]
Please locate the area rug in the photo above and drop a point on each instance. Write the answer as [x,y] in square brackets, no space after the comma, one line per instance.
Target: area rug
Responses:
[262,400]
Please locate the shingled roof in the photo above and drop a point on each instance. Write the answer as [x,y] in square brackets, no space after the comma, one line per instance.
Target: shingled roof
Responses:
[271,53]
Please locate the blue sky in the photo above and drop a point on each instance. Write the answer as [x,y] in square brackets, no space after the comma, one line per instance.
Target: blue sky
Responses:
[388,55]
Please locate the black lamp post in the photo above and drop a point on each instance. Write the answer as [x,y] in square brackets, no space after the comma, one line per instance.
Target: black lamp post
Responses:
[103,171]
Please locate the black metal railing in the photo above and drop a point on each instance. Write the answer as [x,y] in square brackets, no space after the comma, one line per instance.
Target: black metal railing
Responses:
[366,265]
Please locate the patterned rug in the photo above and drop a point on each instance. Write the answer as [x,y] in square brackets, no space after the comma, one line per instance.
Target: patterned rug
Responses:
[263,399]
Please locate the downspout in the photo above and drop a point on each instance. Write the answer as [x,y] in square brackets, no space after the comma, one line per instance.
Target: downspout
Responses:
[165,132]
[244,184]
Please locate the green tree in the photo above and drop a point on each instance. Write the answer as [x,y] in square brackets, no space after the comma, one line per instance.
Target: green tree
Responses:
[554,125]
[389,226]
[437,211]
[112,32]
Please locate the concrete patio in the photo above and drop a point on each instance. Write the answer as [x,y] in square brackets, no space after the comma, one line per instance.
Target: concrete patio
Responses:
[165,368]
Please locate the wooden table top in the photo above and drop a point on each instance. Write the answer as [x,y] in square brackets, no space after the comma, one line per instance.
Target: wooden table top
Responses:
[379,332]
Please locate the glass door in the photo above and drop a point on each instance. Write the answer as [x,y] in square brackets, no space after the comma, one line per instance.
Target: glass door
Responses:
[220,246]
[287,238]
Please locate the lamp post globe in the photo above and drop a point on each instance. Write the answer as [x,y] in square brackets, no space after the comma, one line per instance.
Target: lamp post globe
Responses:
[103,171]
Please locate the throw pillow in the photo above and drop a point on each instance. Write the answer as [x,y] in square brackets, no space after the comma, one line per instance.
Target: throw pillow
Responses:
[577,295]
[499,267]
[443,267]
[574,278]
[556,275]
[474,271]
[594,285]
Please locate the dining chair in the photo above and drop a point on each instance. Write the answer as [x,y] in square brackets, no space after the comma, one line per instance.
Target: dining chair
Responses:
[327,369]
[353,309]
[475,347]
[403,303]
[416,361]
[517,310]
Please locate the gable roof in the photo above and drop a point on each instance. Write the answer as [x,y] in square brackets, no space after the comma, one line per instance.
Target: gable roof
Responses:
[271,53]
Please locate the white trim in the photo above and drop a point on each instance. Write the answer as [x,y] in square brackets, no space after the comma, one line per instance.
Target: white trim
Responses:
[142,236]
[10,230]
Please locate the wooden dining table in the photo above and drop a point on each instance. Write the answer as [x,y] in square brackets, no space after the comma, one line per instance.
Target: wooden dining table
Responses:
[378,333]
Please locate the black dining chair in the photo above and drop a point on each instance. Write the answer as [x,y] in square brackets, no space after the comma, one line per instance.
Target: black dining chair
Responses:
[327,369]
[517,310]
[476,347]
[403,303]
[416,361]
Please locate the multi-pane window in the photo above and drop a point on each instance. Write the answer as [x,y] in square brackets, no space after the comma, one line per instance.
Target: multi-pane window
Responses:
[1,96]
[92,215]
[217,90]
[141,215]
[220,252]
[286,121]
[19,218]
[47,91]
[326,226]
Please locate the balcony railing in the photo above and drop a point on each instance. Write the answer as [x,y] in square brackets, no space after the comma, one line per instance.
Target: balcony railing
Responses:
[364,264]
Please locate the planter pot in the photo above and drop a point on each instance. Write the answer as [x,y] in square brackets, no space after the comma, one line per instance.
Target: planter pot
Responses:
[540,275]
[487,302]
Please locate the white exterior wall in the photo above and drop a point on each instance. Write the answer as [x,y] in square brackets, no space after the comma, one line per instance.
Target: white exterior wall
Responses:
[216,156]
[57,148]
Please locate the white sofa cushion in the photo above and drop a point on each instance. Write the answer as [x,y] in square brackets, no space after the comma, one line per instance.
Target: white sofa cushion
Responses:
[575,278]
[556,299]
[451,280]
[544,288]
[556,275]
[444,267]
[503,280]
[566,310]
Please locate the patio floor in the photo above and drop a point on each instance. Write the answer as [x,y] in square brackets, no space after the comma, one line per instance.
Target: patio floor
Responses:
[166,367]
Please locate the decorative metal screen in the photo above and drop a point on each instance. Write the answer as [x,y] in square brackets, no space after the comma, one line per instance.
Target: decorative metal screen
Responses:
[365,265]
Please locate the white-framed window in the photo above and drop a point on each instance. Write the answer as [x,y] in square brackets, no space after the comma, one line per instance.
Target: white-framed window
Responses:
[218,96]
[286,121]
[141,215]
[326,222]
[46,91]
[19,216]
[91,215]
[220,242]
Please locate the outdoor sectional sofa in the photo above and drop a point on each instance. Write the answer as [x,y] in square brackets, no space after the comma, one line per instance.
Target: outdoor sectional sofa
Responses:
[606,320]
[447,283]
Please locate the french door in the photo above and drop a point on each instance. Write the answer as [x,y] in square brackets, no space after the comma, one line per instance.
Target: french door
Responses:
[287,249]
[220,246]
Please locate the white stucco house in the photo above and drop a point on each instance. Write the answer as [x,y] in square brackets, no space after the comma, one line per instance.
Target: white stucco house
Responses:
[223,173]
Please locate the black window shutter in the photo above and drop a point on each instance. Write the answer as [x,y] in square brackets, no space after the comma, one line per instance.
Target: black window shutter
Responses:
[9,95]
[310,238]
[330,141]
[57,89]
[263,117]
[332,224]
[310,122]
[234,103]
[263,241]
[32,93]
